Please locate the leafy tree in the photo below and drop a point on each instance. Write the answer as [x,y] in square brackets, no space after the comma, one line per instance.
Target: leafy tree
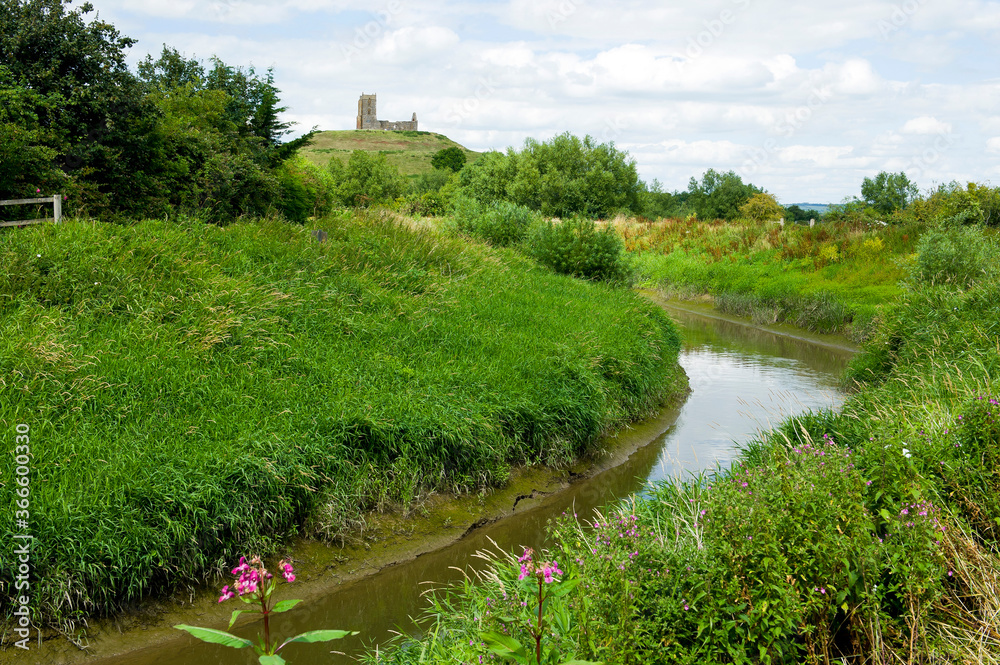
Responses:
[367,179]
[26,161]
[658,204]
[452,159]
[719,195]
[101,128]
[794,213]
[560,177]
[888,192]
[762,207]
[252,102]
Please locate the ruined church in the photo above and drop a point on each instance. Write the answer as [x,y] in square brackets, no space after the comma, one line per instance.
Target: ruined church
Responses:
[368,120]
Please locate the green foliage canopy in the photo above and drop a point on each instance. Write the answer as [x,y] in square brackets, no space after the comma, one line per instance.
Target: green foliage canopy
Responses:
[719,195]
[367,180]
[888,192]
[451,159]
[560,177]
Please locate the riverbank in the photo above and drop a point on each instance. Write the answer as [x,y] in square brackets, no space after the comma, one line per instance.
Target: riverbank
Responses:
[742,363]
[831,278]
[179,377]
[869,534]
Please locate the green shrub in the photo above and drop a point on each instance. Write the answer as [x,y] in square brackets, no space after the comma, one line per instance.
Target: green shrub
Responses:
[955,256]
[500,223]
[449,159]
[306,190]
[366,180]
[576,247]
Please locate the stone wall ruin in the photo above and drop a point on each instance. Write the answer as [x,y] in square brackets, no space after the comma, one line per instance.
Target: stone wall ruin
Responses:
[367,118]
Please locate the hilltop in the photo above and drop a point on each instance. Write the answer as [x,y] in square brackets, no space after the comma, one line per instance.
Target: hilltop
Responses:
[409,151]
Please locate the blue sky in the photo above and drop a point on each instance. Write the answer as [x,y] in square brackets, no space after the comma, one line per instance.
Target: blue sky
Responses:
[801,98]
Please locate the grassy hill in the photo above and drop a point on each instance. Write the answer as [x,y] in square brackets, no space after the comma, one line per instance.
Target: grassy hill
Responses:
[410,151]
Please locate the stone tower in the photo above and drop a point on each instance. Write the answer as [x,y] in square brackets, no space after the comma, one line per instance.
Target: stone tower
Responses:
[366,112]
[367,118]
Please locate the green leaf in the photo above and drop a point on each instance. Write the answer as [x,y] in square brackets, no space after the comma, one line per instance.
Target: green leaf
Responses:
[236,613]
[505,645]
[582,662]
[274,659]
[884,513]
[319,636]
[564,587]
[215,636]
[285,605]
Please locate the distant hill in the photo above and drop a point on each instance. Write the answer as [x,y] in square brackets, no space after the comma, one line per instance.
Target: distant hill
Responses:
[410,151]
[821,208]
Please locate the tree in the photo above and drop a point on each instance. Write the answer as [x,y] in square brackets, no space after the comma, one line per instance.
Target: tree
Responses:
[719,195]
[564,176]
[888,192]
[452,159]
[26,161]
[794,213]
[762,207]
[252,100]
[367,179]
[100,130]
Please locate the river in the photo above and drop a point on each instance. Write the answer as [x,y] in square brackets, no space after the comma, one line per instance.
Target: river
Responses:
[742,379]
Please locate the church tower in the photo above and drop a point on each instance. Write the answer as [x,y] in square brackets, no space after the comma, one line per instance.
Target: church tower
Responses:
[366,112]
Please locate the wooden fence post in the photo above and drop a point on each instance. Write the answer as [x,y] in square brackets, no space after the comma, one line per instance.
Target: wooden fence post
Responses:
[56,208]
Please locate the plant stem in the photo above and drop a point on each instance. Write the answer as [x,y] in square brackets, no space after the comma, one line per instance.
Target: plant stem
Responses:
[267,627]
[538,632]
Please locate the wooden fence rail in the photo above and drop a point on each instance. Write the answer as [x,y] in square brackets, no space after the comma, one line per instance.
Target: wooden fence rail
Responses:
[55,200]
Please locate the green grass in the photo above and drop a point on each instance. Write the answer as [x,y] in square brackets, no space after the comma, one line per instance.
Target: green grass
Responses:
[830,278]
[409,151]
[197,392]
[871,535]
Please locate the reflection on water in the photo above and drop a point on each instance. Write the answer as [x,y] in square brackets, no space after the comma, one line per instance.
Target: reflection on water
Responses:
[741,378]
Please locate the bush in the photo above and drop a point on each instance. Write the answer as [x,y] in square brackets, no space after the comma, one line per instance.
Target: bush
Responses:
[306,190]
[449,159]
[576,247]
[761,208]
[367,180]
[500,223]
[956,256]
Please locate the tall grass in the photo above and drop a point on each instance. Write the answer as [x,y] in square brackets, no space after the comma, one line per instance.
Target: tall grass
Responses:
[195,392]
[828,278]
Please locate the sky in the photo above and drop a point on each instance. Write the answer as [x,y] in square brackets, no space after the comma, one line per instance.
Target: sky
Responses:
[804,99]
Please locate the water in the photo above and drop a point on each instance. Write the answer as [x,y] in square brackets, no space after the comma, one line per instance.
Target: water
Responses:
[742,379]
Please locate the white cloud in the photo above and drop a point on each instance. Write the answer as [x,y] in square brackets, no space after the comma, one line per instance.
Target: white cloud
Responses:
[410,45]
[683,86]
[926,125]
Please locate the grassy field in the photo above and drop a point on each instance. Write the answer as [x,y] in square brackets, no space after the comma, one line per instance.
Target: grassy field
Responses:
[870,536]
[830,278]
[409,151]
[197,392]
